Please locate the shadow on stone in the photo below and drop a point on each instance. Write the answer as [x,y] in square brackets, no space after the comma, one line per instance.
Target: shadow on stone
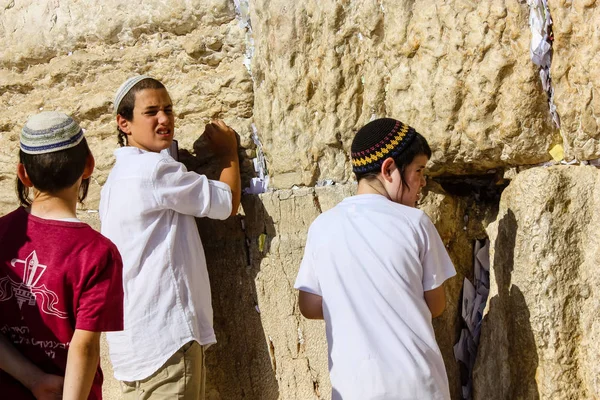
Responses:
[239,365]
[507,359]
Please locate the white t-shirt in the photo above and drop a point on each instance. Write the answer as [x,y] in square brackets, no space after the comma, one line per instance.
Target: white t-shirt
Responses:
[371,260]
[147,208]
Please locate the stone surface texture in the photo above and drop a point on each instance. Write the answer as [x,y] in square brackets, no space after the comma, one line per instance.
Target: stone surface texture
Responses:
[72,56]
[576,83]
[458,71]
[541,333]
[308,74]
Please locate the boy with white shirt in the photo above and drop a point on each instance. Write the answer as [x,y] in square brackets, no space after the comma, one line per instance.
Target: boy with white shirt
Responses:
[374,268]
[148,208]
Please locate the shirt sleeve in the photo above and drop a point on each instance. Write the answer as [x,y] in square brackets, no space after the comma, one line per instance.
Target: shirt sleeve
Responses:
[307,280]
[190,193]
[437,266]
[100,306]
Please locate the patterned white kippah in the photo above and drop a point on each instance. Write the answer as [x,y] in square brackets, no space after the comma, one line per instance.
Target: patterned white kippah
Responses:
[50,131]
[125,88]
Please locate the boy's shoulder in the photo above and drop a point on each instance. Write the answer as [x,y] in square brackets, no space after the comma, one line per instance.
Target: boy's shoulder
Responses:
[20,222]
[127,152]
[375,208]
[97,239]
[133,161]
[16,213]
[133,155]
[93,241]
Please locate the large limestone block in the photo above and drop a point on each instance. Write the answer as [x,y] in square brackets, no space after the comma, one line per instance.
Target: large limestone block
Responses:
[576,82]
[40,30]
[458,71]
[541,332]
[71,56]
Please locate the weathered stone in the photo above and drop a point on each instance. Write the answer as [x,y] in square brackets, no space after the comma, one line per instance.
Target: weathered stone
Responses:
[541,332]
[72,56]
[574,75]
[458,71]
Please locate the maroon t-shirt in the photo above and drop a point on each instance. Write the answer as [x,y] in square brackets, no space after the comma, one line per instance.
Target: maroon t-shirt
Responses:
[55,277]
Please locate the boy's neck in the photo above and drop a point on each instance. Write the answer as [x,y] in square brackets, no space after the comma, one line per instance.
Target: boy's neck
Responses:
[58,205]
[371,186]
[141,148]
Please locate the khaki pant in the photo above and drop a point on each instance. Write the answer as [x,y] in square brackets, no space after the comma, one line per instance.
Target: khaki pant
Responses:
[181,377]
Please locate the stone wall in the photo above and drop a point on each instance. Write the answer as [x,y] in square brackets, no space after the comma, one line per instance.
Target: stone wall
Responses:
[72,56]
[541,334]
[576,83]
[308,74]
[459,71]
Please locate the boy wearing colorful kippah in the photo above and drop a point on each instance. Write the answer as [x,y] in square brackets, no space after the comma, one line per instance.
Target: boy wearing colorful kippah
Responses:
[373,268]
[60,280]
[148,208]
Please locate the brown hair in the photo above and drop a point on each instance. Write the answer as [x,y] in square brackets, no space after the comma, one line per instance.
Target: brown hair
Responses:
[126,106]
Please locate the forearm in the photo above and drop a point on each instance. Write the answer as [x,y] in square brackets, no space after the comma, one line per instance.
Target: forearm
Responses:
[230,174]
[16,365]
[436,301]
[82,363]
[311,305]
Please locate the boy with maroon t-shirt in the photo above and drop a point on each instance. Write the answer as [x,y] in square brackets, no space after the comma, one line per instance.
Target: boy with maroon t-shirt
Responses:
[60,280]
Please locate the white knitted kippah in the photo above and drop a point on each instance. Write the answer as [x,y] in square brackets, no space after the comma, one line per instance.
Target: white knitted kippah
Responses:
[50,131]
[125,88]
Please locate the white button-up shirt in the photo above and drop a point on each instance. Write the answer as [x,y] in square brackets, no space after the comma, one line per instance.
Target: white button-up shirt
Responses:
[147,209]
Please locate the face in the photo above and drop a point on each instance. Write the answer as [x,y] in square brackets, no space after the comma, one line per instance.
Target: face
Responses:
[414,177]
[153,123]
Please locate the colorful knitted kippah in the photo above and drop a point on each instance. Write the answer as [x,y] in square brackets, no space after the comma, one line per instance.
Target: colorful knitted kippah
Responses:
[125,88]
[378,140]
[50,131]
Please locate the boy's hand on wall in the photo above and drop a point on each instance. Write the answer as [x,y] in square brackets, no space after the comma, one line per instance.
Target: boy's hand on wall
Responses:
[48,387]
[223,143]
[221,138]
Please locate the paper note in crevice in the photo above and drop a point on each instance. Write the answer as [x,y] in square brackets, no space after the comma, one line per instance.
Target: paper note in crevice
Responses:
[557,153]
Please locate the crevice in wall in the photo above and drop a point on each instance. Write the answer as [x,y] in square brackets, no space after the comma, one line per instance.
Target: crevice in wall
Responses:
[485,188]
[260,183]
[242,10]
[474,300]
[542,38]
[317,203]
[272,354]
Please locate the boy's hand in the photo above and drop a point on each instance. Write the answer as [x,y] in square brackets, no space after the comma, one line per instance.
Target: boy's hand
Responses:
[48,387]
[221,138]
[43,386]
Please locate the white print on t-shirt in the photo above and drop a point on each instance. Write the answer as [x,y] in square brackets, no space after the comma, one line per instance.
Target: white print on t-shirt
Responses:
[27,292]
[20,335]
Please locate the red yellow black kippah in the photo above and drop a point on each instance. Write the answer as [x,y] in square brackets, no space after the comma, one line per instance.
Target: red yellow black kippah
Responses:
[378,140]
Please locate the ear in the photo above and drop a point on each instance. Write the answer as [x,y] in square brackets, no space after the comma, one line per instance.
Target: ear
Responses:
[22,174]
[123,125]
[387,168]
[90,163]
